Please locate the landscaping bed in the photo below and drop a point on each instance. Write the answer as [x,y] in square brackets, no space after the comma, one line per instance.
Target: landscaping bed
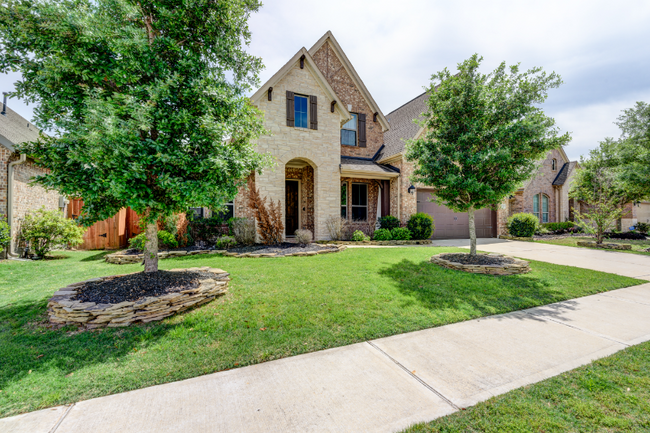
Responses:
[272,309]
[413,242]
[492,264]
[638,246]
[121,300]
[285,249]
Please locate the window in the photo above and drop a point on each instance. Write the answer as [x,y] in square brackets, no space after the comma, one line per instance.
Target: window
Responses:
[359,201]
[300,104]
[198,212]
[349,132]
[540,201]
[228,213]
[344,200]
[554,164]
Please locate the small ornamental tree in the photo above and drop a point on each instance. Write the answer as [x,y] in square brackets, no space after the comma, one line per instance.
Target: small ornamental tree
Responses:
[145,101]
[484,135]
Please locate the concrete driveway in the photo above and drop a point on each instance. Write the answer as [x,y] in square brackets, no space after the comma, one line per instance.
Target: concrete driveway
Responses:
[626,264]
[381,385]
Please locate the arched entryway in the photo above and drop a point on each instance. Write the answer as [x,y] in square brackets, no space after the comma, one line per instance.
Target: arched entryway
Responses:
[299,204]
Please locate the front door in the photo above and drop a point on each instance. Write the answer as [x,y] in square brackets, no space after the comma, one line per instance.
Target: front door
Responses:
[291,211]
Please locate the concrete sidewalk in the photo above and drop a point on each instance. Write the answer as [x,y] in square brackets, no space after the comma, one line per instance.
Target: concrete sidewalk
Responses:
[382,385]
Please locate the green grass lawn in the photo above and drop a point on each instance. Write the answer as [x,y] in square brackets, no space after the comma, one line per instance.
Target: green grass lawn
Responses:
[275,308]
[609,395]
[637,246]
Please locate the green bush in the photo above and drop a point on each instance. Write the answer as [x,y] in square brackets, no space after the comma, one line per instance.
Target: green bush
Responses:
[226,242]
[382,235]
[522,225]
[46,229]
[5,236]
[359,236]
[559,226]
[641,228]
[388,222]
[420,225]
[401,234]
[207,229]
[165,240]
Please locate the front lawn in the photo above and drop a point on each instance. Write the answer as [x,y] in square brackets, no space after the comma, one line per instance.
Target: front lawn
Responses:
[637,246]
[275,308]
[609,395]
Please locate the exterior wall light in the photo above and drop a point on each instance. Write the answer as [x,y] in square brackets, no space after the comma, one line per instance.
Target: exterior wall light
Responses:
[411,189]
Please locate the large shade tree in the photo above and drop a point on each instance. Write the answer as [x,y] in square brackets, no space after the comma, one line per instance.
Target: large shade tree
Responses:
[485,135]
[144,100]
[633,151]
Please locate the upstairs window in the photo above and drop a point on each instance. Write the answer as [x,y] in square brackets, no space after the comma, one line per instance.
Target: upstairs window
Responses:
[349,132]
[300,111]
[360,202]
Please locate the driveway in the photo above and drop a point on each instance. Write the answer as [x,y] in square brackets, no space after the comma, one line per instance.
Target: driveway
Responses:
[381,385]
[626,264]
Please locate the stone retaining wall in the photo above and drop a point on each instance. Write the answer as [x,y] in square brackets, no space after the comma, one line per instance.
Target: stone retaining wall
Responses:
[307,253]
[518,267]
[418,242]
[515,238]
[593,244]
[64,310]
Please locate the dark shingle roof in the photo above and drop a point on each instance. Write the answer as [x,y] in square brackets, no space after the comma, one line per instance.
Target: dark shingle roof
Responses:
[364,165]
[562,176]
[402,126]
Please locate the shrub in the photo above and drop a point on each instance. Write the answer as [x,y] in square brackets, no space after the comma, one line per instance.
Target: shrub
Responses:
[206,229]
[420,226]
[388,222]
[165,240]
[382,235]
[542,231]
[632,236]
[303,237]
[522,225]
[225,242]
[401,234]
[559,228]
[45,229]
[269,221]
[643,228]
[5,235]
[243,230]
[359,236]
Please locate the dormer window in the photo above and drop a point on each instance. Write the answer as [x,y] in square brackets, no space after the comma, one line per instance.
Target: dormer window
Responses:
[300,111]
[349,132]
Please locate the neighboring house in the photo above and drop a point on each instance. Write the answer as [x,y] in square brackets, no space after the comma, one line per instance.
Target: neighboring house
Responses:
[17,197]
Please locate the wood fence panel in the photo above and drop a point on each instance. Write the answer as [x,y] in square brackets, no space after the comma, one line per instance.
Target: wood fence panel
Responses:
[112,233]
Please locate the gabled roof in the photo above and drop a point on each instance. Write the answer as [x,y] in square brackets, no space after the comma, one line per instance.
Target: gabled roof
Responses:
[366,168]
[309,63]
[353,74]
[402,126]
[15,129]
[563,174]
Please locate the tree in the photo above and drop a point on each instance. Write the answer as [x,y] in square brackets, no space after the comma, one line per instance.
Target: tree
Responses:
[45,229]
[633,151]
[484,135]
[145,100]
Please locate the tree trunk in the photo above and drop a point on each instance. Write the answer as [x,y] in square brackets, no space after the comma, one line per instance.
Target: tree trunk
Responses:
[151,248]
[472,232]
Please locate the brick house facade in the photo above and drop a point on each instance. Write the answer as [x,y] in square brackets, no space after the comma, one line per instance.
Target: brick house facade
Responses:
[15,129]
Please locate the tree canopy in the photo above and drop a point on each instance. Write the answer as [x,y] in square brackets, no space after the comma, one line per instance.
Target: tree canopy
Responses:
[145,100]
[633,151]
[484,134]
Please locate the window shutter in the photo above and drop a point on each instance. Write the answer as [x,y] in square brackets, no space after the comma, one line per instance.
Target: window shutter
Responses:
[361,123]
[290,109]
[313,112]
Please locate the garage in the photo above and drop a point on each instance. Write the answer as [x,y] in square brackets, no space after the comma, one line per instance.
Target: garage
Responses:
[454,225]
[643,212]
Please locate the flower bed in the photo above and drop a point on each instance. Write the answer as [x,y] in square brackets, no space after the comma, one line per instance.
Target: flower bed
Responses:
[414,242]
[491,264]
[64,308]
[593,244]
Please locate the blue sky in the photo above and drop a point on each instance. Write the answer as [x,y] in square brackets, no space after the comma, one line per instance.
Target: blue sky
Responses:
[600,48]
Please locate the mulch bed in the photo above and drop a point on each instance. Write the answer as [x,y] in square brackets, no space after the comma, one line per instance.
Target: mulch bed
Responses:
[479,259]
[565,235]
[281,249]
[133,287]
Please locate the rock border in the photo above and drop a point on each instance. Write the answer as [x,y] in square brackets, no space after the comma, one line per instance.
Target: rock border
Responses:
[119,258]
[518,267]
[593,244]
[63,310]
[413,242]
[515,238]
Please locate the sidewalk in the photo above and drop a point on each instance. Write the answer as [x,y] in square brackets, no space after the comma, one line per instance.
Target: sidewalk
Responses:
[382,385]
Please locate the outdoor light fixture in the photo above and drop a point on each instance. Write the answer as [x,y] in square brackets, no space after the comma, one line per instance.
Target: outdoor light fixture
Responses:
[411,189]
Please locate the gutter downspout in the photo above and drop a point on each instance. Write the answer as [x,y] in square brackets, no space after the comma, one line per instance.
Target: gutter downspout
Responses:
[10,202]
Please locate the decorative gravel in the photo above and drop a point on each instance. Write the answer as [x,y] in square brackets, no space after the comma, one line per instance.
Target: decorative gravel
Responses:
[132,287]
[281,249]
[479,259]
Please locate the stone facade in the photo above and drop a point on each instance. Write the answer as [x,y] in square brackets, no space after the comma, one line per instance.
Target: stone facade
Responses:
[337,76]
[306,177]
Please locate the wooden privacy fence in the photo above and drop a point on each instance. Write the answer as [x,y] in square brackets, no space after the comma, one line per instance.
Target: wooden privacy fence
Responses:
[112,233]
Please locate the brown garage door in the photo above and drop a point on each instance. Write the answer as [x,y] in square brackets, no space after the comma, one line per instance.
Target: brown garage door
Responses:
[454,225]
